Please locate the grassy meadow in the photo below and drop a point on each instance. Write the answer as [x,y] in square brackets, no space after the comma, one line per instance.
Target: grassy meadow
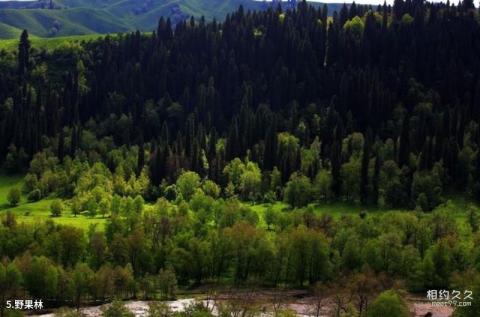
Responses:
[31,212]
[48,43]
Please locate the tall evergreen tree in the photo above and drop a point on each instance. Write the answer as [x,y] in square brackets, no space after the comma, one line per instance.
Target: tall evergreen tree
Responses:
[364,181]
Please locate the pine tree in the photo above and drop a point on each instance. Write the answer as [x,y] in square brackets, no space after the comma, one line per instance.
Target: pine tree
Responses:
[364,170]
[336,166]
[376,178]
[404,150]
[61,145]
[141,156]
[23,57]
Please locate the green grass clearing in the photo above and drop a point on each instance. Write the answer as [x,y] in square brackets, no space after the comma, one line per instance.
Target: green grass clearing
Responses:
[334,209]
[39,211]
[456,206]
[49,44]
[31,212]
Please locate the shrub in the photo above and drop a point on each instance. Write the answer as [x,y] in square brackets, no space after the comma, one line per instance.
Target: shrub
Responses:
[14,196]
[34,195]
[56,208]
[117,309]
[167,282]
[388,303]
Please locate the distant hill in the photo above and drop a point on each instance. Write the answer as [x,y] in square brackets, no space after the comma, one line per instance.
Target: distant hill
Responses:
[7,31]
[45,18]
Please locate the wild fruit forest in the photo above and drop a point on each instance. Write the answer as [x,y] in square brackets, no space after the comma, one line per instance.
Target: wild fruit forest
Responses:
[277,149]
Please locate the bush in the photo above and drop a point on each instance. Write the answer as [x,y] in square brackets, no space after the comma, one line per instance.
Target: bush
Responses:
[171,192]
[270,197]
[388,303]
[56,208]
[30,182]
[422,203]
[271,217]
[298,191]
[211,189]
[187,184]
[117,309]
[34,195]
[167,282]
[14,196]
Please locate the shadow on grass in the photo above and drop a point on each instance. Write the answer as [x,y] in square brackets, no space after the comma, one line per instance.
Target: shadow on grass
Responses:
[6,206]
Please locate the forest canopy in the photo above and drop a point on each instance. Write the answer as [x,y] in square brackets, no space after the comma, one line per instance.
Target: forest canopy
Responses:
[175,137]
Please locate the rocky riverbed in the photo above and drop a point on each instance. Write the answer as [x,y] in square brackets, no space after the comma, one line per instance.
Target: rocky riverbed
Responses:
[301,305]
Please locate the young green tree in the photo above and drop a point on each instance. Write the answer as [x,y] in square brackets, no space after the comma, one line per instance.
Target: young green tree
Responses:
[298,191]
[91,206]
[41,278]
[187,183]
[271,217]
[138,204]
[437,265]
[97,248]
[394,190]
[322,185]
[56,208]
[234,170]
[250,250]
[250,181]
[167,283]
[363,286]
[81,279]
[10,282]
[308,251]
[34,195]
[14,196]
[388,303]
[350,173]
[147,286]
[473,218]
[211,189]
[474,309]
[67,245]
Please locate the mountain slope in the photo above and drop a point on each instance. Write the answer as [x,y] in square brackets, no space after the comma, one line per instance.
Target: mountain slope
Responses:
[7,31]
[62,22]
[75,17]
[217,8]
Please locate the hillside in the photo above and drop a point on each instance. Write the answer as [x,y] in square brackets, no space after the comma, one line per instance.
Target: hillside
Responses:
[77,17]
[75,21]
[274,152]
[7,31]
